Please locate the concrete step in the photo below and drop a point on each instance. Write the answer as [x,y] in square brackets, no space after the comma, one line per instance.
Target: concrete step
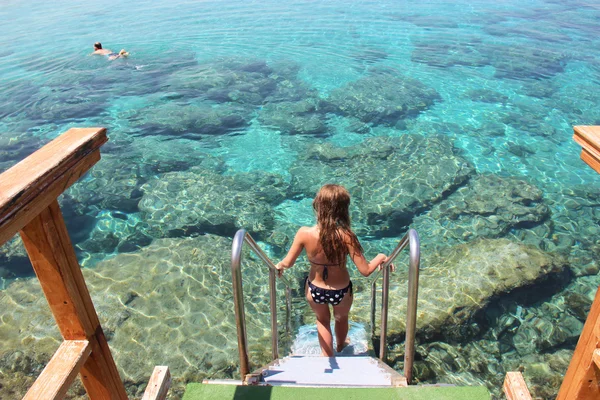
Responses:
[306,371]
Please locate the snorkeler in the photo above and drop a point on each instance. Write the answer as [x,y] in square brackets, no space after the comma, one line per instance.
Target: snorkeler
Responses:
[108,53]
[327,245]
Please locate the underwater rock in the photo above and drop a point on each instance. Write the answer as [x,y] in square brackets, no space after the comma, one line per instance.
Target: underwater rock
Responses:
[520,150]
[16,96]
[530,30]
[541,332]
[113,184]
[232,80]
[481,362]
[492,129]
[182,120]
[539,89]
[200,200]
[115,230]
[369,55]
[168,304]
[526,120]
[13,150]
[462,280]
[524,62]
[513,62]
[472,363]
[487,96]
[488,206]
[294,118]
[391,179]
[576,219]
[384,97]
[247,83]
[577,102]
[65,104]
[464,50]
[14,261]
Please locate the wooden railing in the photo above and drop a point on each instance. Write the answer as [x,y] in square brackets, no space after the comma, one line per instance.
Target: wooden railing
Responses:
[29,206]
[582,380]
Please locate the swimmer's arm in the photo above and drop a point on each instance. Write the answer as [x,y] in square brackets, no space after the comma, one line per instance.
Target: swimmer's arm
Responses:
[294,252]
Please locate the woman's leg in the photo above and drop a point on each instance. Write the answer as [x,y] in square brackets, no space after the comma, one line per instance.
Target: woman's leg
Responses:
[323,324]
[340,313]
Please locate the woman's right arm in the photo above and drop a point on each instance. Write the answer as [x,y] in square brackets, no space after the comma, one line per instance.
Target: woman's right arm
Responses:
[358,258]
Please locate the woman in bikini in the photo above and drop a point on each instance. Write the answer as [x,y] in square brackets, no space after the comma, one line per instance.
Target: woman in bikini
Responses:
[327,246]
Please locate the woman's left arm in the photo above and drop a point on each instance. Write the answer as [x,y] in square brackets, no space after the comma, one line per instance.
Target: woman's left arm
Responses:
[294,252]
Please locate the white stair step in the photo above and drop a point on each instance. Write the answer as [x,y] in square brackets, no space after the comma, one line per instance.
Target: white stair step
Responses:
[328,371]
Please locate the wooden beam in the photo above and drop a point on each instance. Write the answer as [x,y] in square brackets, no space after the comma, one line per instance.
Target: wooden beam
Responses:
[515,387]
[582,379]
[590,160]
[588,137]
[159,384]
[55,264]
[596,358]
[56,378]
[31,185]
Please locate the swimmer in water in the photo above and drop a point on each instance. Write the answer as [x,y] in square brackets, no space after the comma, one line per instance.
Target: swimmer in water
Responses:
[108,53]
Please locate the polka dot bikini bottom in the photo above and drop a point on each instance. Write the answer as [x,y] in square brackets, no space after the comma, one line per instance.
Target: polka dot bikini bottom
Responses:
[328,296]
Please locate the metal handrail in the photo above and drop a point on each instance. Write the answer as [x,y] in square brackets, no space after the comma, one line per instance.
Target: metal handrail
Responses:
[411,239]
[240,237]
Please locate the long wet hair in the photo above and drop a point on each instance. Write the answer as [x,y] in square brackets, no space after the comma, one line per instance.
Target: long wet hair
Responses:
[331,206]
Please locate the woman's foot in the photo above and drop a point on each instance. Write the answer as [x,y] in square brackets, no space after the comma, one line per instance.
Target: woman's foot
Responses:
[341,347]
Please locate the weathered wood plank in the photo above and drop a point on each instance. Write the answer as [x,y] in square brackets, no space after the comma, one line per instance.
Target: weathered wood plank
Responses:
[582,379]
[596,358]
[31,185]
[591,160]
[159,384]
[515,387]
[588,137]
[54,262]
[56,378]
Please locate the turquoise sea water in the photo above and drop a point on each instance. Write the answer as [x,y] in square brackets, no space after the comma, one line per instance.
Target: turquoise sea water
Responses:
[243,108]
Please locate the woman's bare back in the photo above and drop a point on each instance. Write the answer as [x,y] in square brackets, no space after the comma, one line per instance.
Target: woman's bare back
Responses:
[337,273]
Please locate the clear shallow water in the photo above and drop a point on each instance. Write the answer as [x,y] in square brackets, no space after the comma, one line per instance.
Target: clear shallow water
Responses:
[511,81]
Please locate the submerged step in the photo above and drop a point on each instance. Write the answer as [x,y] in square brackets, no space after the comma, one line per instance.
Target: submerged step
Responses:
[198,391]
[306,341]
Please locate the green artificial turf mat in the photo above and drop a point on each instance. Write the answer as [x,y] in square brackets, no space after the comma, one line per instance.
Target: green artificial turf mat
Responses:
[198,391]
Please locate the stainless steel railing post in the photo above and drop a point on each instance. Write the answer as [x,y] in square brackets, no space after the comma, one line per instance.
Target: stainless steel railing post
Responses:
[411,239]
[238,300]
[385,288]
[288,314]
[411,309]
[240,237]
[273,300]
[373,305]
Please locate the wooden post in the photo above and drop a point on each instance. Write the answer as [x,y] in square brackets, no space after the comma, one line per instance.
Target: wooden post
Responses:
[55,263]
[582,379]
[515,387]
[159,383]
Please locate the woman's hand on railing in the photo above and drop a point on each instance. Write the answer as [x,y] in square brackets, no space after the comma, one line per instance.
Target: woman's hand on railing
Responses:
[392,266]
[280,269]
